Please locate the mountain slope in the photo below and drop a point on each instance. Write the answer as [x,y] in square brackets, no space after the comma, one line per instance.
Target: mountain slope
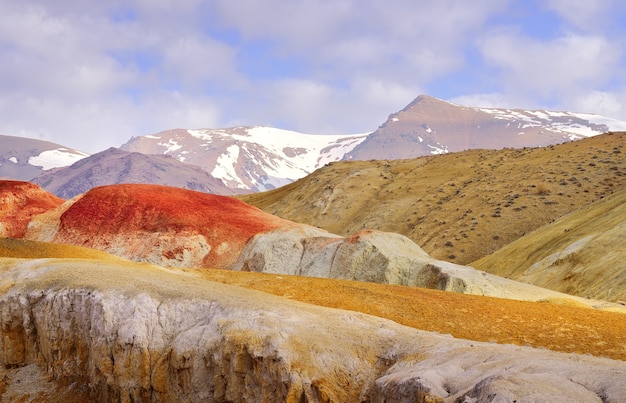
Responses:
[459,206]
[22,158]
[431,126]
[254,158]
[582,253]
[115,166]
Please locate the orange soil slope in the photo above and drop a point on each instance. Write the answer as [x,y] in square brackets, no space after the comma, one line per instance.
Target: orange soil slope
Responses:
[129,210]
[538,324]
[19,202]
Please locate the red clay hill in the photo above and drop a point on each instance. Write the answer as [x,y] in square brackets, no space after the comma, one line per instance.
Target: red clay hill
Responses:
[19,202]
[159,224]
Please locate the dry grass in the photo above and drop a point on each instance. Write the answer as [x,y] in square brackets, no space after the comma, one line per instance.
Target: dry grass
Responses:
[457,207]
[581,254]
[546,325]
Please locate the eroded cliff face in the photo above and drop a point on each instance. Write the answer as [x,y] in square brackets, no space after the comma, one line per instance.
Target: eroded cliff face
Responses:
[143,333]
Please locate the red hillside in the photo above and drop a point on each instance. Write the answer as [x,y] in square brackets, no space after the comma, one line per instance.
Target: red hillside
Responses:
[19,202]
[135,211]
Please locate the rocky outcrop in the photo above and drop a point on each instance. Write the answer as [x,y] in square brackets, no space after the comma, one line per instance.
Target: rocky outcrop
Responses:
[141,333]
[19,202]
[379,257]
[157,224]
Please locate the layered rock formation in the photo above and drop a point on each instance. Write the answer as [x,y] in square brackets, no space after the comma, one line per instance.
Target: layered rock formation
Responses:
[141,333]
[19,202]
[157,224]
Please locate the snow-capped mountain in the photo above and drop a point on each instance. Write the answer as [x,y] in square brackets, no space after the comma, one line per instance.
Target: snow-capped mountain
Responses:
[115,166]
[431,126]
[255,158]
[24,158]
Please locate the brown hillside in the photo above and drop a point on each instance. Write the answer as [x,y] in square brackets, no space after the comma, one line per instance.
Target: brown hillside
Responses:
[582,253]
[459,206]
[19,202]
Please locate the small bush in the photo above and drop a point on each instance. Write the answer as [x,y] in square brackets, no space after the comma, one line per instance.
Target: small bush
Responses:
[542,189]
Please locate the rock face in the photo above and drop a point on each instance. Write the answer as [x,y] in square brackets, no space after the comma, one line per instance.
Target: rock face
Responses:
[431,126]
[19,202]
[140,333]
[157,224]
[114,166]
[378,257]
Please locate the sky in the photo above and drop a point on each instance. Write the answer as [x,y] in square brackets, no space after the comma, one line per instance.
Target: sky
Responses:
[91,74]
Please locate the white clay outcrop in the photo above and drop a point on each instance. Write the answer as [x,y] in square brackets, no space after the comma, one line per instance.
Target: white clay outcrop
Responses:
[144,334]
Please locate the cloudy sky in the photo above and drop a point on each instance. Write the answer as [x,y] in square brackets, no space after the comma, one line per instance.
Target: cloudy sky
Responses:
[90,74]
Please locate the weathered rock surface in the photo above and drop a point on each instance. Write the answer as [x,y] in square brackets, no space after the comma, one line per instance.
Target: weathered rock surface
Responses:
[142,333]
[156,224]
[379,257]
[19,202]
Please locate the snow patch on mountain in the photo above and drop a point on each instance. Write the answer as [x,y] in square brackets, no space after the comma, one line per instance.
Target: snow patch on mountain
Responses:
[254,157]
[60,157]
[575,125]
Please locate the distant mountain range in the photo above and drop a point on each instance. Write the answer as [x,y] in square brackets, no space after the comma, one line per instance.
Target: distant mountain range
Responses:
[115,166]
[23,158]
[254,158]
[431,126]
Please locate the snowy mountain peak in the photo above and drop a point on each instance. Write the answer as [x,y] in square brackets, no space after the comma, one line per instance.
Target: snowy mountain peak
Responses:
[429,126]
[250,157]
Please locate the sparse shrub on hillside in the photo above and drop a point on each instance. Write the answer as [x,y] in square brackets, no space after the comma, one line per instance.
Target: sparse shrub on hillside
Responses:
[542,189]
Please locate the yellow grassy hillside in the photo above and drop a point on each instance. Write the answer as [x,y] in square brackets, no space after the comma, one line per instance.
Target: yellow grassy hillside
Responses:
[458,207]
[583,253]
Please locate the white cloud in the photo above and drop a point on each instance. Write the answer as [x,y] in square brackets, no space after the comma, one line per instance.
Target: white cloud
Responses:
[610,104]
[88,73]
[553,68]
[584,14]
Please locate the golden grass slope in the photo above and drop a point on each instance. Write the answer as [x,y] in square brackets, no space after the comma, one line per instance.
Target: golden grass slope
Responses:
[460,206]
[582,253]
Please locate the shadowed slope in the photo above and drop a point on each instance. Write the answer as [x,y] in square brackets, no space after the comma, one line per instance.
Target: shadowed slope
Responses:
[159,224]
[19,202]
[583,253]
[457,207]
